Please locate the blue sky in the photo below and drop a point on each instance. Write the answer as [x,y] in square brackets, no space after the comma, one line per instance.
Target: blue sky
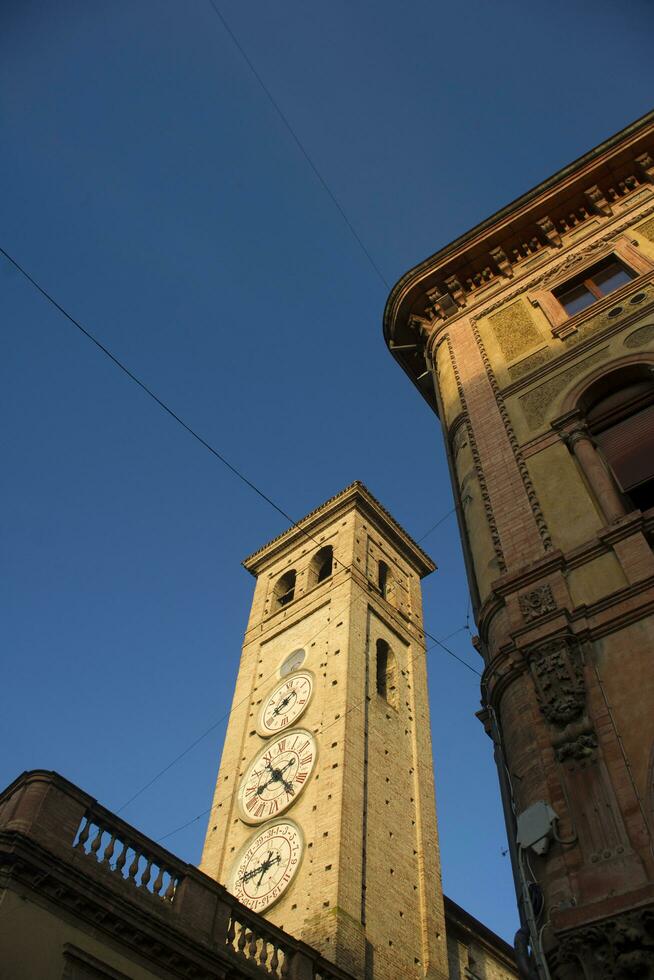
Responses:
[148,183]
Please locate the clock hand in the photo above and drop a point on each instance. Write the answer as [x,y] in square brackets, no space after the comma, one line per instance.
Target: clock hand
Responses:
[282,704]
[276,776]
[264,867]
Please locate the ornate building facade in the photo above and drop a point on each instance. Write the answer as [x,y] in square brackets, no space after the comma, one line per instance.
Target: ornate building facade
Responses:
[532,338]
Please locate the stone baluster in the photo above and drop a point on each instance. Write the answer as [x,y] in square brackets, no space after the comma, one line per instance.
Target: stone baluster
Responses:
[231,931]
[172,887]
[158,882]
[97,843]
[147,873]
[84,834]
[122,858]
[134,867]
[109,850]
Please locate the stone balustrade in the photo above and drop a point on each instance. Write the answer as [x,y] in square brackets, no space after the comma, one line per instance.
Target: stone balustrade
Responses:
[104,871]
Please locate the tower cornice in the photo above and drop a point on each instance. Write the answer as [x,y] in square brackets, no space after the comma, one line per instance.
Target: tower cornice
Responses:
[355,496]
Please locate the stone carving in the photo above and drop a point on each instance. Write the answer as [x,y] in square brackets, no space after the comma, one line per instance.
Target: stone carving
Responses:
[501,260]
[640,337]
[515,330]
[549,229]
[620,948]
[597,200]
[577,742]
[646,166]
[559,681]
[536,603]
[646,230]
[530,490]
[485,496]
[530,363]
[536,401]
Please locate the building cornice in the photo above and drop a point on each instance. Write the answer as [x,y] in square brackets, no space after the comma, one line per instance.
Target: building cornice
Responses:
[504,247]
[355,496]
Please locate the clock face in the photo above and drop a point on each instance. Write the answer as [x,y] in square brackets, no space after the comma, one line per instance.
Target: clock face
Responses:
[277,775]
[266,865]
[292,662]
[286,703]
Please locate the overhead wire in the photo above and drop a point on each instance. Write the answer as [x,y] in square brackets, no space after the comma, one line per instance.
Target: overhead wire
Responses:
[190,429]
[298,141]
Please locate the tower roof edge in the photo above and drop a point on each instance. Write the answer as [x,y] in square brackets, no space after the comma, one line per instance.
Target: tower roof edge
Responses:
[355,495]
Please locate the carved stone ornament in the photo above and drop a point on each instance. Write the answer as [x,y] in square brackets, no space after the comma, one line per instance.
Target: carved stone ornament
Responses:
[536,603]
[576,743]
[621,948]
[559,681]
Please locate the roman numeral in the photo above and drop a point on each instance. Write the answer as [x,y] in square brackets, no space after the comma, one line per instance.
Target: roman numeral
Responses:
[306,761]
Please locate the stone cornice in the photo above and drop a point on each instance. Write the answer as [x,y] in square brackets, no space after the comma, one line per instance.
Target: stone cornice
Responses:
[355,496]
[589,189]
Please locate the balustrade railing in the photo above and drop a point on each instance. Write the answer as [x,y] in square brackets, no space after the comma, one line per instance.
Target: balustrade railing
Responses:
[130,859]
[249,941]
[43,807]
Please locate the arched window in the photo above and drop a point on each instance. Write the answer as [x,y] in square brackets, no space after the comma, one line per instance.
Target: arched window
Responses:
[284,590]
[320,568]
[386,673]
[619,413]
[386,583]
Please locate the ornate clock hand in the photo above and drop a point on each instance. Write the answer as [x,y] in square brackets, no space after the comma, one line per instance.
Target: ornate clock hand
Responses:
[264,867]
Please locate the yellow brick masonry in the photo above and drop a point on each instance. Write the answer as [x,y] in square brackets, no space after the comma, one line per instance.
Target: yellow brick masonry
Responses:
[368,894]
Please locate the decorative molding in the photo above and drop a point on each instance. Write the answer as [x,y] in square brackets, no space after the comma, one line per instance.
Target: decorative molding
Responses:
[640,337]
[558,678]
[536,401]
[550,232]
[619,948]
[530,490]
[485,496]
[536,603]
[570,261]
[597,201]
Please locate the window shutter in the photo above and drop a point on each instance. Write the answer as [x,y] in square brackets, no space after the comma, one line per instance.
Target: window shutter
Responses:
[628,448]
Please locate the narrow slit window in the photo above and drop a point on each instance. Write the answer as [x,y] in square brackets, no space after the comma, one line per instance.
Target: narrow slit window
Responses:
[386,673]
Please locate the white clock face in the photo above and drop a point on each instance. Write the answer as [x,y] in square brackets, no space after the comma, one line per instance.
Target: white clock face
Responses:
[277,775]
[286,703]
[266,865]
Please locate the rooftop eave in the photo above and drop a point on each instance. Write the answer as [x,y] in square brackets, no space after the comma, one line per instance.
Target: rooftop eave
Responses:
[356,495]
[404,296]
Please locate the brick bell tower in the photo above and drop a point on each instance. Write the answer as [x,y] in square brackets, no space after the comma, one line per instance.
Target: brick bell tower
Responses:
[323,817]
[532,338]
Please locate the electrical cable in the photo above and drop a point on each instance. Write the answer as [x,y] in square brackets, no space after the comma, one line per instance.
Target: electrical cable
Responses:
[169,411]
[162,404]
[298,142]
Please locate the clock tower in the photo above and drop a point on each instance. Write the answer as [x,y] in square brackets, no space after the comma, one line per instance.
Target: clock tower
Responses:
[323,817]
